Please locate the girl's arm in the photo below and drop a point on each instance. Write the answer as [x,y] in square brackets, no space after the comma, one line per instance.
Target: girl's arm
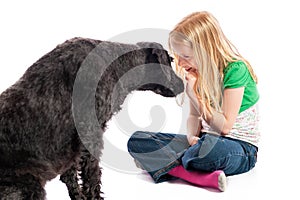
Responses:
[222,123]
[193,121]
[232,100]
[193,125]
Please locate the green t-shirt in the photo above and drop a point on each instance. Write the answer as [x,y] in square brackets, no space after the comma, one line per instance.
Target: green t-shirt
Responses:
[236,74]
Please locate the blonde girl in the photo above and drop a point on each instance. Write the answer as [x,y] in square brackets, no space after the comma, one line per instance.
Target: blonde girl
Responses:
[222,128]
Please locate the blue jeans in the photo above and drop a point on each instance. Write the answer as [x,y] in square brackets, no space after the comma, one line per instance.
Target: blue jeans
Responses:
[158,153]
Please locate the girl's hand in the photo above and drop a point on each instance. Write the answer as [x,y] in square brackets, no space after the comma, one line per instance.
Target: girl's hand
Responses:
[191,75]
[191,78]
[192,140]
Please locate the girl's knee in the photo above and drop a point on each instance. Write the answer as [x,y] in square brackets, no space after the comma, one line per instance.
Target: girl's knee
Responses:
[135,140]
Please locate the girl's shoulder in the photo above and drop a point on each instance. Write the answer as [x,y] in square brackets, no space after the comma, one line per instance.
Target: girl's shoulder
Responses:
[236,74]
[235,66]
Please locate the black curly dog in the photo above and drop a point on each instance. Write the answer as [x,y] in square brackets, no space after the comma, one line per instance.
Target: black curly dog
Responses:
[47,118]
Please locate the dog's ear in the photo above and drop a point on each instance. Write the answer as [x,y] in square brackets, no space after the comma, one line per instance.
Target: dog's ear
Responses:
[151,57]
[157,54]
[161,54]
[165,61]
[157,50]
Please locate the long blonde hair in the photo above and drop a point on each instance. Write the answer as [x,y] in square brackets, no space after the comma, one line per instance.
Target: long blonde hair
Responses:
[212,52]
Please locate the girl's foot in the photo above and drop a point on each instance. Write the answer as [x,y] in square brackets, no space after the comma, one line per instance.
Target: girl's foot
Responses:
[216,179]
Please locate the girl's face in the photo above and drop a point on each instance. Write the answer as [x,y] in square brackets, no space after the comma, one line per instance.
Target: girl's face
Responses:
[185,57]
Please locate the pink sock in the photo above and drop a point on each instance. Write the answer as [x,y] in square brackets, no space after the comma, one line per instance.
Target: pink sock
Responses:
[216,179]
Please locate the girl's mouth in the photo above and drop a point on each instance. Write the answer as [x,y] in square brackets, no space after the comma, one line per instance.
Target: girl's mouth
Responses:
[188,69]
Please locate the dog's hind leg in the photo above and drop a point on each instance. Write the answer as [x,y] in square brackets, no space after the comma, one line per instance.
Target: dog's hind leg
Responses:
[91,176]
[70,178]
[24,187]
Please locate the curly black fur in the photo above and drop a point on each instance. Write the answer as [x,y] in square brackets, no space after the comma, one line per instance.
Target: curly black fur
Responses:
[45,129]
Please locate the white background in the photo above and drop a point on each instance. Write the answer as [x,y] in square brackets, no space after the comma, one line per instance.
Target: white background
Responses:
[265,32]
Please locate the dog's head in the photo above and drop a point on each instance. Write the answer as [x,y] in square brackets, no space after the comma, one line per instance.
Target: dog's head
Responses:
[159,75]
